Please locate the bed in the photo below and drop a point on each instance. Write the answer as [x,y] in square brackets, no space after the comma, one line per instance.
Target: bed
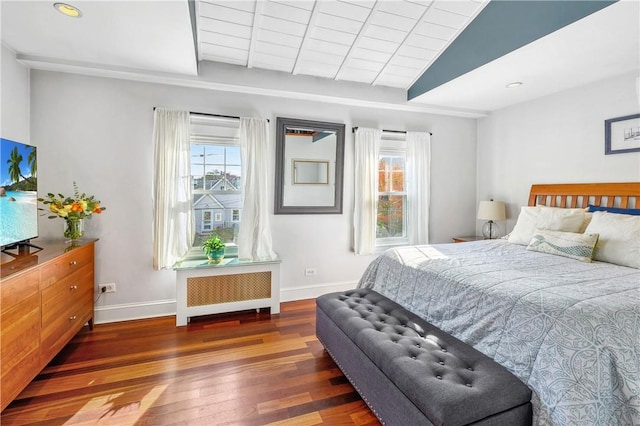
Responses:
[568,329]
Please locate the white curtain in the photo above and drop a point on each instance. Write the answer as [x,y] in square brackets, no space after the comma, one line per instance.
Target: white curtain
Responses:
[254,237]
[367,149]
[173,227]
[418,186]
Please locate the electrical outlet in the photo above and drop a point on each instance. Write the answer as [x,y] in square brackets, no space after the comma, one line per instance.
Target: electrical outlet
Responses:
[107,288]
[310,272]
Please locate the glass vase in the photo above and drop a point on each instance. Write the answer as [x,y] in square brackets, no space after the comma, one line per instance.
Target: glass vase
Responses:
[73,229]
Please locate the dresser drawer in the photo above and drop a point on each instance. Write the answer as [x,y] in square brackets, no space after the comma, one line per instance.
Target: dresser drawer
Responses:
[19,350]
[65,265]
[16,289]
[61,328]
[58,297]
[19,325]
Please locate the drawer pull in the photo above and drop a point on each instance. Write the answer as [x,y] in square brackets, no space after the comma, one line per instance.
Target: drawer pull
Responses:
[73,263]
[73,287]
[72,318]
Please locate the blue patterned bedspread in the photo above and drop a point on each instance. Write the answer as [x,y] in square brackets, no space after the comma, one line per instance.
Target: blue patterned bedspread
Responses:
[570,330]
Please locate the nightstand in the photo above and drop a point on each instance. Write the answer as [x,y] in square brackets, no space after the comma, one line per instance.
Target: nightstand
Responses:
[467,239]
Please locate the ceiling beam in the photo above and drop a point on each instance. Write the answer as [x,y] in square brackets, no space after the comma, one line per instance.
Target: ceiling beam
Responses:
[311,24]
[411,31]
[193,16]
[364,27]
[257,16]
[48,64]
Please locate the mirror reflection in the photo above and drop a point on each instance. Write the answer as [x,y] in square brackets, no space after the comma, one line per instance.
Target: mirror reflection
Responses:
[310,172]
[309,162]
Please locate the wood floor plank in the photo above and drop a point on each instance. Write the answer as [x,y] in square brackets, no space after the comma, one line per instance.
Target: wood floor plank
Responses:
[284,402]
[304,420]
[243,368]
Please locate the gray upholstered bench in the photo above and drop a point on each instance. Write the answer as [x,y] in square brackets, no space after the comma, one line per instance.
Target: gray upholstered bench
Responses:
[412,373]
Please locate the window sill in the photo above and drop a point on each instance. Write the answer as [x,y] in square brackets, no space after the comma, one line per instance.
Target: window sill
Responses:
[196,253]
[380,248]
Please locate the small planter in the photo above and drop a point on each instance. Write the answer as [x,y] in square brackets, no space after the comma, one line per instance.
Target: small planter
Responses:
[215,256]
[214,249]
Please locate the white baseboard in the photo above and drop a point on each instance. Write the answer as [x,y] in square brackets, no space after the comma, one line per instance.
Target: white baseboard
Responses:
[311,292]
[162,308]
[133,311]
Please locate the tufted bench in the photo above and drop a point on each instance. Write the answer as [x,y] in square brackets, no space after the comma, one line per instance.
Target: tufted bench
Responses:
[412,373]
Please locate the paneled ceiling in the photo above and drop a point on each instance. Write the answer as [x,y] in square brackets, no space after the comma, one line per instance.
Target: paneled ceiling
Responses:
[387,43]
[352,52]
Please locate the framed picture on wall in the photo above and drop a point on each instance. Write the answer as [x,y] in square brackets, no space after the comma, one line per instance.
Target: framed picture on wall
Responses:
[622,134]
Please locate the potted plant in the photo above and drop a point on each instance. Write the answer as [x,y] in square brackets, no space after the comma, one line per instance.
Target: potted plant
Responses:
[214,249]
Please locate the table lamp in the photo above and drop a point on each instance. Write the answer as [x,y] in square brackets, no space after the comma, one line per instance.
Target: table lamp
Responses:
[491,211]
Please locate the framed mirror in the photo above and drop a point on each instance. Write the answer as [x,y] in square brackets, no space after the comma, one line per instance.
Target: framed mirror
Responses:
[309,167]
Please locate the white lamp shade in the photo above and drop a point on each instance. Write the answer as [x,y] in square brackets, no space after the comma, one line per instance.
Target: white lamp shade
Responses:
[491,210]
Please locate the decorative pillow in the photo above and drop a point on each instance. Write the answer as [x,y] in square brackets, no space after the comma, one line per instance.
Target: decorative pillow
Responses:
[635,212]
[568,244]
[541,217]
[619,240]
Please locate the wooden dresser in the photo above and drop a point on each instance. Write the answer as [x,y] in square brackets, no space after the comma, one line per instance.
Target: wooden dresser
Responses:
[46,297]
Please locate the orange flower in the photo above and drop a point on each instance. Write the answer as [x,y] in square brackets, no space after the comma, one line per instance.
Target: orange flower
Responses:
[76,207]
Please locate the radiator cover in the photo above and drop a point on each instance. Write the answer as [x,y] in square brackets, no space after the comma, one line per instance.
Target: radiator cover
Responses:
[210,290]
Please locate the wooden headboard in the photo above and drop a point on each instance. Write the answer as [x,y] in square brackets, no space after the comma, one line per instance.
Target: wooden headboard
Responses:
[579,195]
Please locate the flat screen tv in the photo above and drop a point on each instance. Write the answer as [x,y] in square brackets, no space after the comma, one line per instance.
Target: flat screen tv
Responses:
[18,193]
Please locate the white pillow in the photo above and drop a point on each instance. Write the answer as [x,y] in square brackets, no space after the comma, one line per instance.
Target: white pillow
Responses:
[619,240]
[542,217]
[585,222]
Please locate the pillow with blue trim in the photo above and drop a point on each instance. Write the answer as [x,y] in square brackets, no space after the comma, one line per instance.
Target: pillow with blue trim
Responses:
[618,210]
[567,244]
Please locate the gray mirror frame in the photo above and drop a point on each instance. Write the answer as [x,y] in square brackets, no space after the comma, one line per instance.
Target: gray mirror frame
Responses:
[279,207]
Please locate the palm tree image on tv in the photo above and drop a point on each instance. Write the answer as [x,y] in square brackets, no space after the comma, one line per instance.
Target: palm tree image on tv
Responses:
[19,181]
[18,192]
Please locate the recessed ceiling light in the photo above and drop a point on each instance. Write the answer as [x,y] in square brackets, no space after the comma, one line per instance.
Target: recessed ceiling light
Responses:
[514,85]
[68,10]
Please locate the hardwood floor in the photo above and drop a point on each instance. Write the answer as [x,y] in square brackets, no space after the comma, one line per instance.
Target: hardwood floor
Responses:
[243,368]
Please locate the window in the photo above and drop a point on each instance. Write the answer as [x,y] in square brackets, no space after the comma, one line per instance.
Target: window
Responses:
[392,189]
[391,223]
[216,182]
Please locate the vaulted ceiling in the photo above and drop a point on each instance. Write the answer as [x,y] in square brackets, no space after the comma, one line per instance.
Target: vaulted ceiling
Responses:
[447,56]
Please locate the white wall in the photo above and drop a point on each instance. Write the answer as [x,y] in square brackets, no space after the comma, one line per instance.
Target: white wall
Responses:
[555,139]
[98,131]
[14,91]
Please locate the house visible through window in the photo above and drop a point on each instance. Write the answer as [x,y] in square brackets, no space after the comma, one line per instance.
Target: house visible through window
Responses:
[216,182]
[392,198]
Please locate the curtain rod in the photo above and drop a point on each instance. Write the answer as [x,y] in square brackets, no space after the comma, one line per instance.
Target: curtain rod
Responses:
[215,115]
[353,130]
